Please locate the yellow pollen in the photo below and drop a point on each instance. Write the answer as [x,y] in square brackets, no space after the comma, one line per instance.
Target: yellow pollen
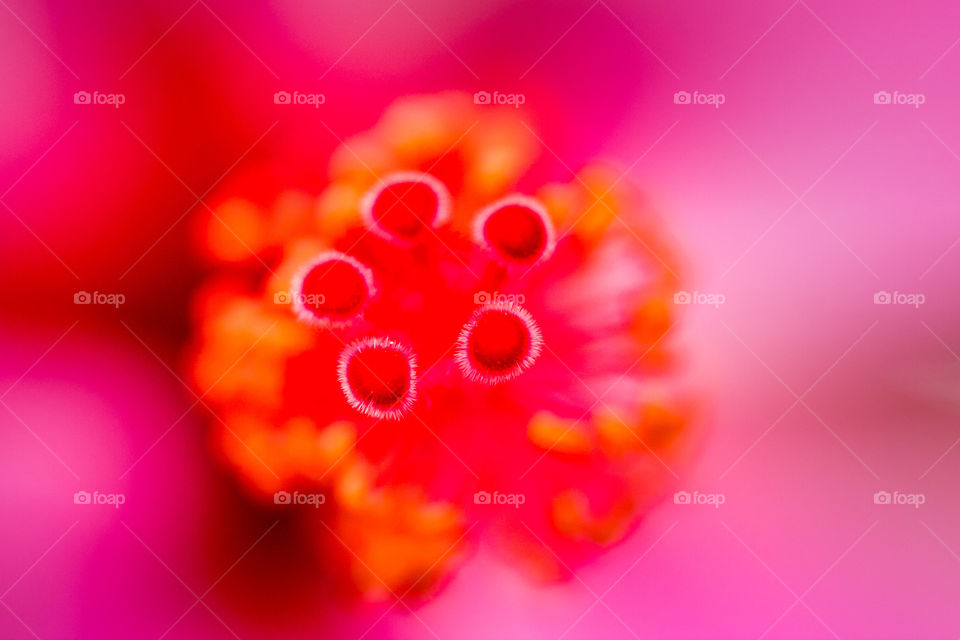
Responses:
[558,435]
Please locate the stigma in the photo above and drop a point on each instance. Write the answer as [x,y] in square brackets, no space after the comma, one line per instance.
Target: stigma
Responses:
[517,229]
[331,289]
[378,376]
[498,343]
[403,206]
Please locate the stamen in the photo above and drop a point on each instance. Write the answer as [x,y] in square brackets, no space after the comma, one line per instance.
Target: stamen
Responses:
[404,204]
[379,377]
[517,229]
[333,288]
[498,343]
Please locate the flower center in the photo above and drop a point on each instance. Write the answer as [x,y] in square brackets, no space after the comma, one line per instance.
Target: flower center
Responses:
[378,377]
[498,343]
[404,204]
[333,286]
[517,229]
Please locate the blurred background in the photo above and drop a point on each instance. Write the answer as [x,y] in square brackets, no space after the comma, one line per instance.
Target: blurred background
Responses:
[803,157]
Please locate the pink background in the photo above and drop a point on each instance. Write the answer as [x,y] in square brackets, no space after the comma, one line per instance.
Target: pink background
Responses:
[798,549]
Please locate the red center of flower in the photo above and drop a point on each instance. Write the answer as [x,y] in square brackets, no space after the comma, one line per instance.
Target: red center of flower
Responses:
[334,286]
[498,343]
[404,208]
[378,376]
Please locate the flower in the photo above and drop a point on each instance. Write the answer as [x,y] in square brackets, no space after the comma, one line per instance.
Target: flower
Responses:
[441,354]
